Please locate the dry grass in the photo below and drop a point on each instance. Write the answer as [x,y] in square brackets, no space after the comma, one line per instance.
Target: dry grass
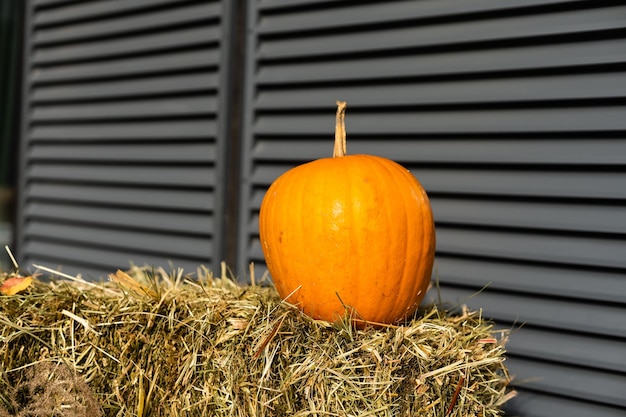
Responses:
[167,344]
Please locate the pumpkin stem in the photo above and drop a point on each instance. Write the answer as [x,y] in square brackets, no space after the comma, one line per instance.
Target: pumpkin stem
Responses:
[340,130]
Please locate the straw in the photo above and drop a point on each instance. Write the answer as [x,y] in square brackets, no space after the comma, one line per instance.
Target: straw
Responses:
[175,344]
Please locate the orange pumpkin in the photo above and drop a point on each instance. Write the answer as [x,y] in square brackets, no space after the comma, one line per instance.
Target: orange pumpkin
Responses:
[349,234]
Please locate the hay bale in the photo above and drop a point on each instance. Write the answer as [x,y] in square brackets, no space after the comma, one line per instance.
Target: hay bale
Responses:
[165,344]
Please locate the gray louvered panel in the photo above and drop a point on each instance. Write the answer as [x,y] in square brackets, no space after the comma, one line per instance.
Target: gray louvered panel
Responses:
[126,175]
[501,90]
[123,137]
[148,20]
[429,36]
[126,67]
[179,152]
[156,129]
[146,198]
[128,109]
[512,116]
[182,222]
[463,63]
[149,86]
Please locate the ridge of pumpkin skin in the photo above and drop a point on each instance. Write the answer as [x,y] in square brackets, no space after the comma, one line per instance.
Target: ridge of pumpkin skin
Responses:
[419,239]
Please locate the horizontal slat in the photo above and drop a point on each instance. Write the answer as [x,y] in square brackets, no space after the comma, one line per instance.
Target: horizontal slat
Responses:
[566,216]
[50,3]
[376,13]
[165,176]
[254,251]
[128,109]
[572,282]
[177,246]
[158,152]
[123,217]
[532,247]
[255,203]
[591,318]
[91,10]
[85,269]
[517,276]
[498,182]
[537,183]
[430,36]
[156,129]
[501,150]
[501,90]
[149,86]
[540,215]
[146,198]
[536,404]
[496,120]
[568,348]
[138,44]
[144,66]
[97,262]
[277,5]
[520,310]
[569,381]
[149,20]
[538,57]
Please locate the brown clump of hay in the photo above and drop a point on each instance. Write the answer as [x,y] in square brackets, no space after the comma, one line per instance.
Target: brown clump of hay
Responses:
[165,344]
[49,389]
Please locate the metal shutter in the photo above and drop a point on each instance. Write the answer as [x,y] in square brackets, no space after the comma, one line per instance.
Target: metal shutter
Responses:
[10,42]
[512,115]
[123,136]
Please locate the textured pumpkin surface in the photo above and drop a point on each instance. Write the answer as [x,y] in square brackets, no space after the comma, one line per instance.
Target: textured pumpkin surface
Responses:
[353,231]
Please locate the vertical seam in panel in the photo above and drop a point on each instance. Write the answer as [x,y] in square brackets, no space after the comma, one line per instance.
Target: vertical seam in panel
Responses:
[246,191]
[22,154]
[233,48]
